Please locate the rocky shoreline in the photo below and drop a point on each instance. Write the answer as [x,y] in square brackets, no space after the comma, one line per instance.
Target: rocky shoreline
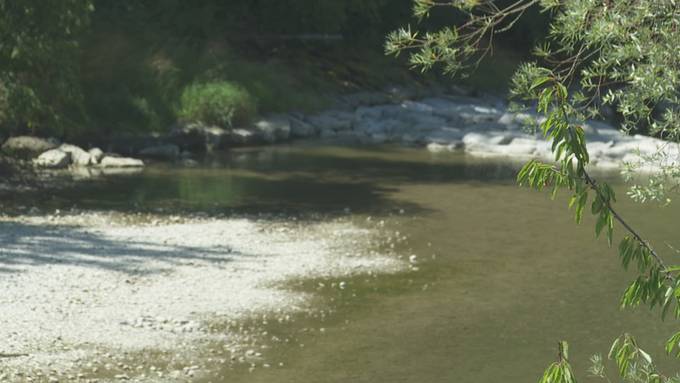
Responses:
[445,122]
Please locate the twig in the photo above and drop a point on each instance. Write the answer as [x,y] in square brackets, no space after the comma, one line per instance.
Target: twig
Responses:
[10,355]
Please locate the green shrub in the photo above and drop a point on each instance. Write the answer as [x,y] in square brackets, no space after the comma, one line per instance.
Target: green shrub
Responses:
[219,103]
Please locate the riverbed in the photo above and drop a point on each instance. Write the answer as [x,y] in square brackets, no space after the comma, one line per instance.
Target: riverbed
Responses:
[486,278]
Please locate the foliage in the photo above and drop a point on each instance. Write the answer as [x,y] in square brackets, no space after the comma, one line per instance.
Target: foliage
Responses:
[218,103]
[614,54]
[609,53]
[39,42]
[657,284]
[560,371]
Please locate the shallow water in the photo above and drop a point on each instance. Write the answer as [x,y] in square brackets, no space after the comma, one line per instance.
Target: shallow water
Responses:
[504,273]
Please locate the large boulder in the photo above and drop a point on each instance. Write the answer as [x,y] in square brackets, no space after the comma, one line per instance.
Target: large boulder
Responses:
[120,162]
[79,157]
[53,159]
[28,147]
[161,152]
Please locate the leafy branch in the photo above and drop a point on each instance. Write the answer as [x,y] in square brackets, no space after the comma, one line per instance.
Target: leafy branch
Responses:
[657,283]
[616,53]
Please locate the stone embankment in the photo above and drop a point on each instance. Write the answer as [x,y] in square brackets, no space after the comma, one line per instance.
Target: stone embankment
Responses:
[445,123]
[481,126]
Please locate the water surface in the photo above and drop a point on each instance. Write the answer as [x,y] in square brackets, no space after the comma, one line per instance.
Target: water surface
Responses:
[504,273]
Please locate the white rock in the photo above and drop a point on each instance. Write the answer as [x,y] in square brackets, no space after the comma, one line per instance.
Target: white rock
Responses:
[507,119]
[436,148]
[239,137]
[476,140]
[96,154]
[79,157]
[54,159]
[121,162]
[273,129]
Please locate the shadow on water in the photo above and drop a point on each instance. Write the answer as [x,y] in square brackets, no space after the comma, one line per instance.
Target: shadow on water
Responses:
[286,179]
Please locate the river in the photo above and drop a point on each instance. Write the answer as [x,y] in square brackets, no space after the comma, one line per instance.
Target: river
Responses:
[503,273]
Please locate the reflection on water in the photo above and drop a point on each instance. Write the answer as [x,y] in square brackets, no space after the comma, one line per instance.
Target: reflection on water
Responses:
[504,272]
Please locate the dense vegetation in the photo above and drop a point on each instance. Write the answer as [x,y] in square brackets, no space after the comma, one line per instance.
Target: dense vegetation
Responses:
[94,68]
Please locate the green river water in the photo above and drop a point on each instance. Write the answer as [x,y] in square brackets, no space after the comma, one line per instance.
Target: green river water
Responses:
[504,273]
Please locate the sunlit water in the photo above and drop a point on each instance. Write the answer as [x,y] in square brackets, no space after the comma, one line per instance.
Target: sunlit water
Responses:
[504,273]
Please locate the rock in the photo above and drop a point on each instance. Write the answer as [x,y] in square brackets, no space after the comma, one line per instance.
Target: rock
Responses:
[436,148]
[79,157]
[240,137]
[501,138]
[520,147]
[424,122]
[411,139]
[372,113]
[473,139]
[378,138]
[365,98]
[162,152]
[96,154]
[507,119]
[444,136]
[328,134]
[198,137]
[120,162]
[382,126]
[53,159]
[188,162]
[28,147]
[347,137]
[417,107]
[333,120]
[301,129]
[273,129]
[477,118]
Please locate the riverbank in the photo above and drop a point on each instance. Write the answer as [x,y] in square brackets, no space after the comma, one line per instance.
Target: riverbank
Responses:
[88,295]
[445,120]
[442,120]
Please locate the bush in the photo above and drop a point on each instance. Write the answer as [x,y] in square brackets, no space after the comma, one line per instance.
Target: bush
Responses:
[218,103]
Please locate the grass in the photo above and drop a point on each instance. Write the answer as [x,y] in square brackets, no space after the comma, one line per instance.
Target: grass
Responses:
[217,103]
